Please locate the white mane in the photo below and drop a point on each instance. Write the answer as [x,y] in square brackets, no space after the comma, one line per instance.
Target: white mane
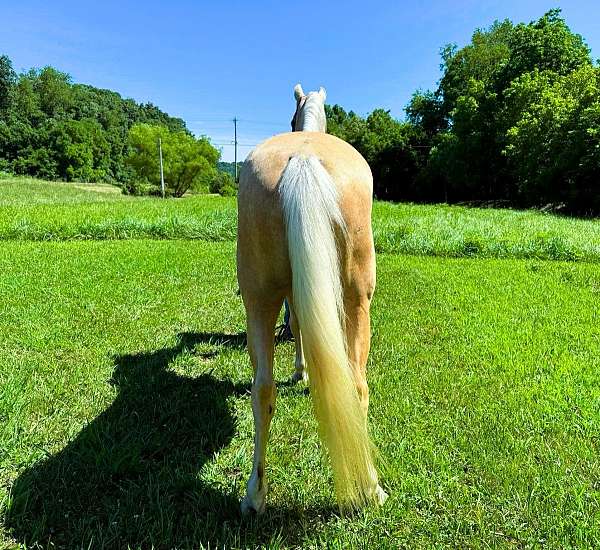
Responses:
[310,111]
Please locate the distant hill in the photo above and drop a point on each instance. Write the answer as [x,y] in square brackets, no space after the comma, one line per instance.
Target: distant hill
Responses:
[55,129]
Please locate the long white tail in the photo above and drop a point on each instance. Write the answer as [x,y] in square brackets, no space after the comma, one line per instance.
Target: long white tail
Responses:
[312,215]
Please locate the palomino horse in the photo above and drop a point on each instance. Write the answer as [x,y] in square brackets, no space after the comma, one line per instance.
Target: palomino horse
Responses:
[304,232]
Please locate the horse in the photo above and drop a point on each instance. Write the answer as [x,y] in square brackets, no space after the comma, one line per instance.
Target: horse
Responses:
[304,234]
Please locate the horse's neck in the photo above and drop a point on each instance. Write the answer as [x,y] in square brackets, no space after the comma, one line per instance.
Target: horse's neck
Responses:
[310,124]
[313,120]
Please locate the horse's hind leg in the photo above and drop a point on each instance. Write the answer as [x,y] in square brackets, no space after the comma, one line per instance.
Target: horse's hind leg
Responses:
[261,318]
[299,364]
[357,305]
[358,335]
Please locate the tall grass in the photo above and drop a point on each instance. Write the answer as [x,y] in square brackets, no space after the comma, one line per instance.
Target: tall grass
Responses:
[211,226]
[32,210]
[455,231]
[47,211]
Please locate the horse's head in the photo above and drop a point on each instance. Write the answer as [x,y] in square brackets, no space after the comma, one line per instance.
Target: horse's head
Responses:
[310,111]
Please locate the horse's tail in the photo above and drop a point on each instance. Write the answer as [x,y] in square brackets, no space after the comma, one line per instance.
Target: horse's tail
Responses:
[312,216]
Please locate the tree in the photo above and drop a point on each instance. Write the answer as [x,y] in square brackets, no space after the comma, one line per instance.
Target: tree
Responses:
[189,163]
[82,151]
[387,144]
[544,45]
[223,184]
[7,82]
[554,146]
[52,128]
[425,111]
[482,60]
[54,91]
[469,121]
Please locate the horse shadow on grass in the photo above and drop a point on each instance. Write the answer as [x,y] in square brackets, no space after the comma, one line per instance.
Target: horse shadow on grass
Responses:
[130,478]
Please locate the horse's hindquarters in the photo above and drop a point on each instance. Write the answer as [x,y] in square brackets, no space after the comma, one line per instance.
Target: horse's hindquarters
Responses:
[263,260]
[323,184]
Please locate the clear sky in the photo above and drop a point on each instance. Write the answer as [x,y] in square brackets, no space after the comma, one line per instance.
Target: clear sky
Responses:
[210,61]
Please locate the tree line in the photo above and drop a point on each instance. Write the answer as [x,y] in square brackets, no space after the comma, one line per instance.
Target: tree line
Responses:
[515,117]
[55,129]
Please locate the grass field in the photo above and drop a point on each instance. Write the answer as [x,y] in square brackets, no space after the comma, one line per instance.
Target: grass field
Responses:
[125,413]
[47,213]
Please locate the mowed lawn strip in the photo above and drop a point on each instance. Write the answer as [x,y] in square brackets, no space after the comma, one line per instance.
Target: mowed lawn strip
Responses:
[125,412]
[59,212]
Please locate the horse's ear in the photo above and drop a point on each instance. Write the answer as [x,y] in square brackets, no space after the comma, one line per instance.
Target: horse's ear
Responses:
[323,93]
[298,92]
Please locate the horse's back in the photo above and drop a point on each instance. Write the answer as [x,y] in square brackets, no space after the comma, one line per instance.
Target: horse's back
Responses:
[343,163]
[262,246]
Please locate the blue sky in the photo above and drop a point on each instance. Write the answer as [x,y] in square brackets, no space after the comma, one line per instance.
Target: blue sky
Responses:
[210,61]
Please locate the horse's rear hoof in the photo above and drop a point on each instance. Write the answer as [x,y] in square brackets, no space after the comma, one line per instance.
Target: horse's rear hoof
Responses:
[250,508]
[299,375]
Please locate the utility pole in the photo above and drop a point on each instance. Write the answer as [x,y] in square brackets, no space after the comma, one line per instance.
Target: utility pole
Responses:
[235,148]
[162,177]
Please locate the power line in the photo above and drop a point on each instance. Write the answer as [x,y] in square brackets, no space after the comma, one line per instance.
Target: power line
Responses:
[212,126]
[231,144]
[225,122]
[263,122]
[211,119]
[226,118]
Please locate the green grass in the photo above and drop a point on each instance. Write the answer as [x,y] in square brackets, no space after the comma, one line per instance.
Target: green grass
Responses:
[38,211]
[26,191]
[456,231]
[90,212]
[125,416]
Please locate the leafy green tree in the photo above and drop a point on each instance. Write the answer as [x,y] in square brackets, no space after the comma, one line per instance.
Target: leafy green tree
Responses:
[26,107]
[544,45]
[228,167]
[30,149]
[52,128]
[7,81]
[554,147]
[469,121]
[387,144]
[54,91]
[459,119]
[37,162]
[82,151]
[188,163]
[223,184]
[425,111]
[345,125]
[482,60]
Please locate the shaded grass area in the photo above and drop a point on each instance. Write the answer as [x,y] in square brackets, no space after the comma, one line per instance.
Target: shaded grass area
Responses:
[125,416]
[42,211]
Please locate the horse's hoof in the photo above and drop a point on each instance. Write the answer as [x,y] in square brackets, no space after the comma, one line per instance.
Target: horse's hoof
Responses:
[380,495]
[298,376]
[250,507]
